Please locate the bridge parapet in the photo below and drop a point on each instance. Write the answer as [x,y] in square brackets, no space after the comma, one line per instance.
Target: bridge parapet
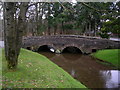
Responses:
[59,43]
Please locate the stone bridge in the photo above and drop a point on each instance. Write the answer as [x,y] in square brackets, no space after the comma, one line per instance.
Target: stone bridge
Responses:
[59,43]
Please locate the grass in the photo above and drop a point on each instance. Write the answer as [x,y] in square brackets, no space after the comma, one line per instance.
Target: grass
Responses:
[0,69]
[36,71]
[109,55]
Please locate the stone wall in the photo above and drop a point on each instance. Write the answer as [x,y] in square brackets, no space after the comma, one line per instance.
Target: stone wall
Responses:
[59,43]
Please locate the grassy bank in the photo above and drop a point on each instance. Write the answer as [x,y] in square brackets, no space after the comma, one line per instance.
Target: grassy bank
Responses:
[36,71]
[109,55]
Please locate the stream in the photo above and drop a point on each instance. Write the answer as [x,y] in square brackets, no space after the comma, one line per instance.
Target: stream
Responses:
[86,69]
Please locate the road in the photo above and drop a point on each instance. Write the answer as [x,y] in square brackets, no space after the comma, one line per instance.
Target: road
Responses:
[115,39]
[1,44]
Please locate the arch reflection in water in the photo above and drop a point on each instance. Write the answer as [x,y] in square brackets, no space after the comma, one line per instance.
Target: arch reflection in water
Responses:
[111,78]
[69,56]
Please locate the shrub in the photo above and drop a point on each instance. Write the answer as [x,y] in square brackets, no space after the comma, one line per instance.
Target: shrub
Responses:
[104,35]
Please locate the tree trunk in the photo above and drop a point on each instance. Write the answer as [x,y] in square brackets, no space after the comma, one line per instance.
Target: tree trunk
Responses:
[48,19]
[36,24]
[10,35]
[95,29]
[86,28]
[13,36]
[21,25]
[89,29]
[62,27]
[55,29]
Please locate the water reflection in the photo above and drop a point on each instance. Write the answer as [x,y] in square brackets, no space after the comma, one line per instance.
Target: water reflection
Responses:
[72,72]
[70,56]
[86,70]
[111,78]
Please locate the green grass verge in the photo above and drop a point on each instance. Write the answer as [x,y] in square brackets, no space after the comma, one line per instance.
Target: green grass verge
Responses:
[36,71]
[0,69]
[109,55]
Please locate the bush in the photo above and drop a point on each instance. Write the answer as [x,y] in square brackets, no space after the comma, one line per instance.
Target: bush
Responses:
[104,35]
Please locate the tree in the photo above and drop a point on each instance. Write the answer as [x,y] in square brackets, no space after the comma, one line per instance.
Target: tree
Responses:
[111,20]
[13,32]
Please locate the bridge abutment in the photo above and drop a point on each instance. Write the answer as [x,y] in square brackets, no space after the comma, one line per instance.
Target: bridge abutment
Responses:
[58,51]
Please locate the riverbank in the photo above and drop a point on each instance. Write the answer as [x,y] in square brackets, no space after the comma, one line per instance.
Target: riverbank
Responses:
[109,55]
[36,71]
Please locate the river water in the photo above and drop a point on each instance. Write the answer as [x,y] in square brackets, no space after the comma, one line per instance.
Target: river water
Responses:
[86,69]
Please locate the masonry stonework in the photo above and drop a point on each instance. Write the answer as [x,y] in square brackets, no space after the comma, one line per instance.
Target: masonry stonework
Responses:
[59,43]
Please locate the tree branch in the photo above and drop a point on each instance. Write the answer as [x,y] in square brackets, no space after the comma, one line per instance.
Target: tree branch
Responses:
[65,7]
[95,9]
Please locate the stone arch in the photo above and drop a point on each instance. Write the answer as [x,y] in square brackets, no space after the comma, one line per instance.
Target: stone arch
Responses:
[28,48]
[94,50]
[45,47]
[73,46]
